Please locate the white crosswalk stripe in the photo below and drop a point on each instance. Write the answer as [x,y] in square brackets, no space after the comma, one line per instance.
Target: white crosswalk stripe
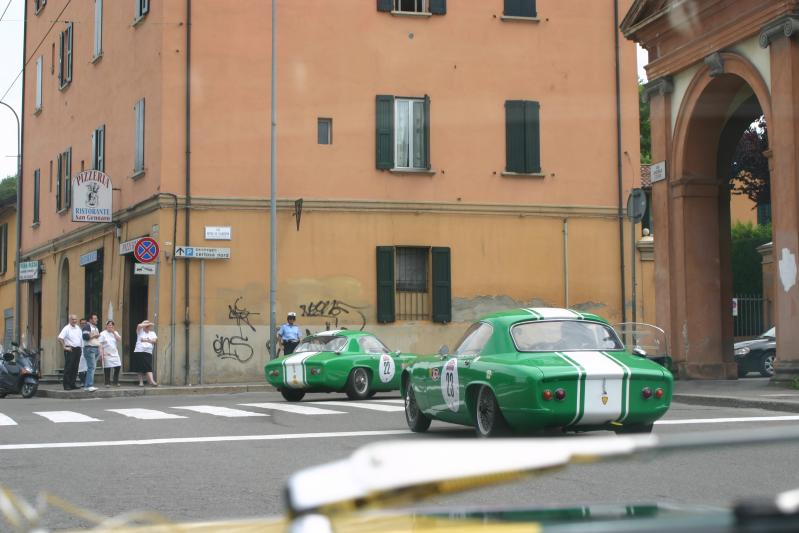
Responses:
[294,408]
[388,401]
[60,417]
[219,411]
[365,405]
[6,421]
[146,414]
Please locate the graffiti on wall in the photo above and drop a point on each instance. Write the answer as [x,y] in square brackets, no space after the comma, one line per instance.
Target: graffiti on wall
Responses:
[333,309]
[236,347]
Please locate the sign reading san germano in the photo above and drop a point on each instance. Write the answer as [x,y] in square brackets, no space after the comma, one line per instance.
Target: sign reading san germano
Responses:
[92,197]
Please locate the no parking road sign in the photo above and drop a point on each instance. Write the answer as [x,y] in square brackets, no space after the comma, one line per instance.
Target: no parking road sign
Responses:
[145,250]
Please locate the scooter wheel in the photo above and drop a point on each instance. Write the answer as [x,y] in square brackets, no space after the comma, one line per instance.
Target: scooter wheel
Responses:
[29,389]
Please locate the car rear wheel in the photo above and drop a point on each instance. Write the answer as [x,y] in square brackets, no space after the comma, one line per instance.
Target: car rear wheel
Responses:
[416,419]
[634,428]
[767,364]
[358,384]
[488,419]
[292,395]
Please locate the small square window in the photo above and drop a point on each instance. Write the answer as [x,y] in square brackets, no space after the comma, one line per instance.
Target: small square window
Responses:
[324,131]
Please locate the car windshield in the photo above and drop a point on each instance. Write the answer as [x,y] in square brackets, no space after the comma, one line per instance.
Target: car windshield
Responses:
[474,339]
[564,335]
[770,333]
[370,344]
[322,344]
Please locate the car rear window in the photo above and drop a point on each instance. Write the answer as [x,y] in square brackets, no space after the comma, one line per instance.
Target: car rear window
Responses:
[322,344]
[564,336]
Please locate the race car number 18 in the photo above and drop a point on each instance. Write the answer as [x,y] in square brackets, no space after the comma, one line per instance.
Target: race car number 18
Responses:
[386,368]
[449,385]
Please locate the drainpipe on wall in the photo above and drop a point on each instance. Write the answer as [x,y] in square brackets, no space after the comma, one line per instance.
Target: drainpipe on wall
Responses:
[172,301]
[21,124]
[566,263]
[618,158]
[186,321]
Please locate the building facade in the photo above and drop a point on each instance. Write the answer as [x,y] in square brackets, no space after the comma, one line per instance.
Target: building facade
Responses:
[451,158]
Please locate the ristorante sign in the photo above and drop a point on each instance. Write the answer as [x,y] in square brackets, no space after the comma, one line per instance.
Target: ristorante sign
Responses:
[91,197]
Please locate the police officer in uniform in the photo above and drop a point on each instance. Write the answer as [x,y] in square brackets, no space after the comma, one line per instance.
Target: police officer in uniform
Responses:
[289,334]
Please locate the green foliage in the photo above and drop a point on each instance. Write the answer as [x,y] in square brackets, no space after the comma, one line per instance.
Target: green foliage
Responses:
[646,132]
[8,189]
[747,272]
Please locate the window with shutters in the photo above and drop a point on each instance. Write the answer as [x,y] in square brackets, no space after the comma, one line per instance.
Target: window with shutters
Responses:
[522,137]
[520,8]
[140,9]
[39,72]
[65,56]
[403,134]
[138,148]
[98,149]
[98,29]
[324,131]
[413,7]
[38,5]
[63,192]
[3,248]
[413,283]
[37,178]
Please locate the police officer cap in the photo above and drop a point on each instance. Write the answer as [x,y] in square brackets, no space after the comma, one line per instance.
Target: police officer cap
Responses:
[292,314]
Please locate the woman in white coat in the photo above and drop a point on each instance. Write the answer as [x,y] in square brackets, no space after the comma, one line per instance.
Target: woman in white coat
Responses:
[109,353]
[143,352]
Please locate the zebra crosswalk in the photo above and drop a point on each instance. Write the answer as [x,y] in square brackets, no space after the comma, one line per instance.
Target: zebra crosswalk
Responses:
[241,410]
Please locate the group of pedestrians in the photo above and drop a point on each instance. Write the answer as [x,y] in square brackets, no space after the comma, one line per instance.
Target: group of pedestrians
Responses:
[84,345]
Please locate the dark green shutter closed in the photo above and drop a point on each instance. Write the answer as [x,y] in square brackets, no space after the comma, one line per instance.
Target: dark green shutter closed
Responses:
[438,7]
[519,8]
[442,285]
[385,284]
[532,140]
[385,5]
[384,138]
[514,136]
[427,132]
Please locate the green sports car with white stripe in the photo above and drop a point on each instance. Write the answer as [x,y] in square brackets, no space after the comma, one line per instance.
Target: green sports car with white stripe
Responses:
[353,362]
[537,368]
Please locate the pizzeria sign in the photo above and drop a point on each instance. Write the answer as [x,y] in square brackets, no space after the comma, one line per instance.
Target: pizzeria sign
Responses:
[92,197]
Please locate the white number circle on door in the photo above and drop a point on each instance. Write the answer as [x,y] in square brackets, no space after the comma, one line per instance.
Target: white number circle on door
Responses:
[449,385]
[387,368]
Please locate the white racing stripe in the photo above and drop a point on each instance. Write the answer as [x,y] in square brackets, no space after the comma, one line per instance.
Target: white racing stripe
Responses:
[294,408]
[366,405]
[66,416]
[146,414]
[786,418]
[553,312]
[191,440]
[219,411]
[603,379]
[294,370]
[6,421]
[387,401]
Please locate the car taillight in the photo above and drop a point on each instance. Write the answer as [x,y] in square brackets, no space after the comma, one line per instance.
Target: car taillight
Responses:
[560,394]
[646,393]
[658,393]
[547,395]
[274,373]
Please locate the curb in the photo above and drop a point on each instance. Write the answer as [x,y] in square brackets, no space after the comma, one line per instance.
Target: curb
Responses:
[726,401]
[153,391]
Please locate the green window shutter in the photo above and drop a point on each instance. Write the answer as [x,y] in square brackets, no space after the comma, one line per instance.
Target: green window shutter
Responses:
[519,8]
[36,192]
[532,137]
[514,136]
[438,7]
[68,179]
[442,285]
[384,115]
[59,173]
[427,132]
[61,59]
[385,5]
[385,284]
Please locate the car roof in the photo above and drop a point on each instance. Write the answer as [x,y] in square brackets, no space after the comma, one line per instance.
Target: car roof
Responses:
[341,333]
[541,313]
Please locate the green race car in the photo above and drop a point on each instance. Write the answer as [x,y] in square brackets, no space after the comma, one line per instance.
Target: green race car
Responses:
[537,368]
[355,362]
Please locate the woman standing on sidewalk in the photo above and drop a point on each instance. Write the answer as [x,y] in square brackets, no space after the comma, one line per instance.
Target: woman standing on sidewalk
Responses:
[143,352]
[109,353]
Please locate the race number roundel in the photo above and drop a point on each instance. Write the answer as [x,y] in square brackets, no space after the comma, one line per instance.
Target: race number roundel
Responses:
[387,368]
[145,250]
[449,385]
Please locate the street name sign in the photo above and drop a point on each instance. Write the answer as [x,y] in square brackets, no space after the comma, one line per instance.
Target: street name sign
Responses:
[217,233]
[198,252]
[657,172]
[145,269]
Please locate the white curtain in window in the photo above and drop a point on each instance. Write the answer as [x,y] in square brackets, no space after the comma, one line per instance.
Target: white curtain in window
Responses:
[402,134]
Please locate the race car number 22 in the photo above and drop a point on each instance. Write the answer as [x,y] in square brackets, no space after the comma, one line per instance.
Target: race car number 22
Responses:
[387,368]
[449,385]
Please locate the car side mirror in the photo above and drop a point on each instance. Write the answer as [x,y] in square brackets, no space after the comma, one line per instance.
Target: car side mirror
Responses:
[637,350]
[397,352]
[444,350]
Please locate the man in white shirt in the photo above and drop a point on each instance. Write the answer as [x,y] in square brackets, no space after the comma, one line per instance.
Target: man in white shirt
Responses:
[71,339]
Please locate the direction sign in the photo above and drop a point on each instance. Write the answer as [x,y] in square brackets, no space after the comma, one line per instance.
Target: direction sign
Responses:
[145,250]
[198,252]
[145,269]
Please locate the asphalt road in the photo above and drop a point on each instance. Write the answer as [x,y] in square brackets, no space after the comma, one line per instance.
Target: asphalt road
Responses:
[215,457]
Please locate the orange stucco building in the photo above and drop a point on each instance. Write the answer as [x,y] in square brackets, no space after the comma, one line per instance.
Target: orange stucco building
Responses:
[452,158]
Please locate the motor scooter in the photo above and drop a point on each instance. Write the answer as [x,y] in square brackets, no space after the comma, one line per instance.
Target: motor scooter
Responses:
[19,374]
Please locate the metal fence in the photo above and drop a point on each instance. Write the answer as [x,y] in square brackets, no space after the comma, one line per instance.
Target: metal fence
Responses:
[749,317]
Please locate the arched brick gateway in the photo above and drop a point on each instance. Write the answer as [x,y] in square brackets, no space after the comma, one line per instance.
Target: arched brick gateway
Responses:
[714,71]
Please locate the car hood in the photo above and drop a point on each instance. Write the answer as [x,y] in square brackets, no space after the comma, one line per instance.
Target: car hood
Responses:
[760,342]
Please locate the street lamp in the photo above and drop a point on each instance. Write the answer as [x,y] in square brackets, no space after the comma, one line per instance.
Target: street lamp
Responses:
[19,222]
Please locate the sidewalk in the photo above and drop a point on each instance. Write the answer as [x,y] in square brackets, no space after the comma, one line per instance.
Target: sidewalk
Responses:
[56,390]
[748,392]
